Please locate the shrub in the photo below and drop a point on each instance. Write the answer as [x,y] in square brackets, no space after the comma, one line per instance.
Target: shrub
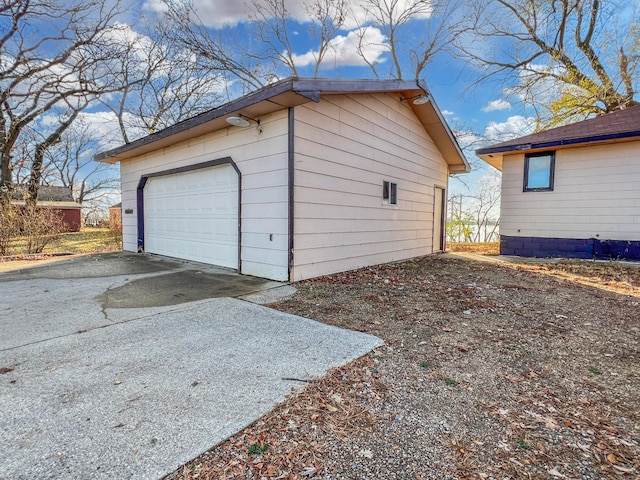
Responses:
[39,227]
[9,227]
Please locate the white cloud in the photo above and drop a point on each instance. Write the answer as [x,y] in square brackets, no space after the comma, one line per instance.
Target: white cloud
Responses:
[359,16]
[104,127]
[516,126]
[496,105]
[366,42]
[157,6]
[226,13]
[447,112]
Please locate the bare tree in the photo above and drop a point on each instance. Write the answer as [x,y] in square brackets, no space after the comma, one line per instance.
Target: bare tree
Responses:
[219,54]
[162,83]
[410,32]
[40,150]
[272,22]
[23,154]
[415,31]
[69,164]
[51,57]
[483,207]
[475,216]
[570,58]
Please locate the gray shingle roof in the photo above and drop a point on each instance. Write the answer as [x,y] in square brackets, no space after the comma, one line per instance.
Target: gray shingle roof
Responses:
[45,194]
[622,124]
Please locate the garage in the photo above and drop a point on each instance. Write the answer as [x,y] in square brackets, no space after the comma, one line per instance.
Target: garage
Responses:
[312,157]
[193,215]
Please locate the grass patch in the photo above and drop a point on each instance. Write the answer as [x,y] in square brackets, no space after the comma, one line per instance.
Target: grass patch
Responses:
[451,382]
[425,365]
[87,240]
[483,248]
[257,448]
[524,444]
[595,371]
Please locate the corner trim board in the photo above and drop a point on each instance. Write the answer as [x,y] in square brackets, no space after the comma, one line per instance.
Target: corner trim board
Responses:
[290,187]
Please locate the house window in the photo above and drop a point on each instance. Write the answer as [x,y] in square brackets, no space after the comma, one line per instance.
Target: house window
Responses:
[389,193]
[538,172]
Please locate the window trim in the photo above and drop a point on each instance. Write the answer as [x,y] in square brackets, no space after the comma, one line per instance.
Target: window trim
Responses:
[389,193]
[552,169]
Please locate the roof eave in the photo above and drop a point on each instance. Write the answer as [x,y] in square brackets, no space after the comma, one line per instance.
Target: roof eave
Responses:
[493,155]
[211,120]
[441,133]
[292,92]
[48,203]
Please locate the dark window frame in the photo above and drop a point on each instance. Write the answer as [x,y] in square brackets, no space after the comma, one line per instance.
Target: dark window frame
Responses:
[552,169]
[389,193]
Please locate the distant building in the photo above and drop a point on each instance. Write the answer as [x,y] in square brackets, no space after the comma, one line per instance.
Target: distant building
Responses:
[115,216]
[57,199]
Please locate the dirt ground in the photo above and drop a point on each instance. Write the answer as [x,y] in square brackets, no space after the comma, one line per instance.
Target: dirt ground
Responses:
[491,370]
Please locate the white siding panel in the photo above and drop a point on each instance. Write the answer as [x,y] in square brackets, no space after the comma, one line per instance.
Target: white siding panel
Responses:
[356,260]
[264,194]
[267,240]
[262,160]
[345,147]
[311,240]
[596,195]
[373,248]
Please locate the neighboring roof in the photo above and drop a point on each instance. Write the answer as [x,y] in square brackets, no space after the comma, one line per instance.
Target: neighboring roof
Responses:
[48,196]
[117,205]
[622,125]
[292,92]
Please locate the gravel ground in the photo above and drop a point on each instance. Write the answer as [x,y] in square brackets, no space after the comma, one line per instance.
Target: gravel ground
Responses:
[490,370]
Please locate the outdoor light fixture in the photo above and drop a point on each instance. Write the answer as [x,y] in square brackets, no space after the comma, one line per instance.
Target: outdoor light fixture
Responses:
[238,122]
[241,121]
[420,99]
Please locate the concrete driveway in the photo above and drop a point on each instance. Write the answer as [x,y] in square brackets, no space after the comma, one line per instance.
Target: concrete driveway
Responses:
[126,366]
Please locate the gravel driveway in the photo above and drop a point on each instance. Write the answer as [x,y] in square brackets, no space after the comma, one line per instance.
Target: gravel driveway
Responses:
[490,371]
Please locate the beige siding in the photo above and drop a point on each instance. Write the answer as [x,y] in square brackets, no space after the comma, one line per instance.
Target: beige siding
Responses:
[596,195]
[345,147]
[262,160]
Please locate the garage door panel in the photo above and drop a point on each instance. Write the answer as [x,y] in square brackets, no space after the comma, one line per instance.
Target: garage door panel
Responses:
[194,215]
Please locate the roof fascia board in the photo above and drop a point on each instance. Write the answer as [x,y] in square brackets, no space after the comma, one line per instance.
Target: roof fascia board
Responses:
[467,167]
[557,143]
[336,86]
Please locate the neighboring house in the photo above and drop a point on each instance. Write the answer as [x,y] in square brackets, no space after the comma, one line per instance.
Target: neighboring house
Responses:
[115,216]
[58,199]
[302,178]
[572,191]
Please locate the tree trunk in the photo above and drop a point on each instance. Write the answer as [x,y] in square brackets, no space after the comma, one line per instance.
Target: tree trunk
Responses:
[6,180]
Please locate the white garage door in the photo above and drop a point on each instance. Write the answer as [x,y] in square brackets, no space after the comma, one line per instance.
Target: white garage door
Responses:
[193,215]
